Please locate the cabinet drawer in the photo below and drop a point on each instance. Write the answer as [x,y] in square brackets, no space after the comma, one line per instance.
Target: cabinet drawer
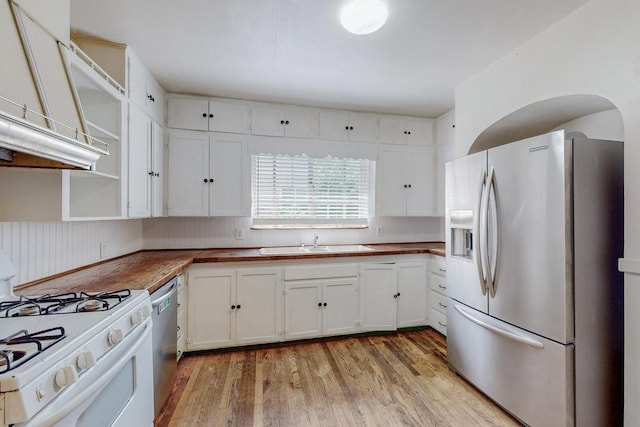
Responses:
[438,301]
[438,321]
[438,283]
[438,265]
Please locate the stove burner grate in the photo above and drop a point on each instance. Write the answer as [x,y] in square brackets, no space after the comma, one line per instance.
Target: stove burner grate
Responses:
[42,340]
[70,302]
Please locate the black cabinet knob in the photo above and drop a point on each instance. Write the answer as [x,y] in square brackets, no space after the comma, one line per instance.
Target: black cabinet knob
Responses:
[210,179]
[409,185]
[405,132]
[150,173]
[286,122]
[405,186]
[325,304]
[205,180]
[409,133]
[233,307]
[395,295]
[319,304]
[157,174]
[350,127]
[238,307]
[281,122]
[151,98]
[210,115]
[204,115]
[346,127]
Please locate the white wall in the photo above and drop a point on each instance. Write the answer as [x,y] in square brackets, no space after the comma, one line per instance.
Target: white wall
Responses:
[220,232]
[606,125]
[594,51]
[41,249]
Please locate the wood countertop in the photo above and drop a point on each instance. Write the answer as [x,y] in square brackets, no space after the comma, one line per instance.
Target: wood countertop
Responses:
[151,269]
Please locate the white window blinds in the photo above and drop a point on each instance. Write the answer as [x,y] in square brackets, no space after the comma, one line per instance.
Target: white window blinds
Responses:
[302,190]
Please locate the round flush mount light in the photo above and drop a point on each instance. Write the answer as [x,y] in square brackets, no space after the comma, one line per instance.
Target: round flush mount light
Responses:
[363,16]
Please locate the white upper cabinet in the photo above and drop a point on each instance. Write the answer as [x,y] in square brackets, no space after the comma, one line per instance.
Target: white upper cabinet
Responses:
[406,131]
[293,123]
[146,174]
[207,115]
[208,174]
[346,126]
[143,89]
[445,139]
[405,181]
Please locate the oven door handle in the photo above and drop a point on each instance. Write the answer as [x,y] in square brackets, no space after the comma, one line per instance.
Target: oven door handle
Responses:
[172,290]
[45,418]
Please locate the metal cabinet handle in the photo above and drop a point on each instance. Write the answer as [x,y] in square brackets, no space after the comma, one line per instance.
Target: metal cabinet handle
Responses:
[442,305]
[442,324]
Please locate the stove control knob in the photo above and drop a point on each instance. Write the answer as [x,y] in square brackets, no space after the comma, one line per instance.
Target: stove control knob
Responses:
[114,336]
[85,360]
[146,311]
[137,317]
[66,376]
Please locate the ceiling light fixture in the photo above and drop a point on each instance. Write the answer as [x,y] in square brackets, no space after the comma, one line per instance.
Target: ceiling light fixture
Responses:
[363,16]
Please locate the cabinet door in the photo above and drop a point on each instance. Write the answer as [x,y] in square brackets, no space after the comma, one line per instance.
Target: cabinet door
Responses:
[259,305]
[421,179]
[187,113]
[340,315]
[378,307]
[393,130]
[157,167]
[303,309]
[391,180]
[210,318]
[137,80]
[154,98]
[444,154]
[228,117]
[301,124]
[333,125]
[267,121]
[227,195]
[420,132]
[188,193]
[413,289]
[365,128]
[139,198]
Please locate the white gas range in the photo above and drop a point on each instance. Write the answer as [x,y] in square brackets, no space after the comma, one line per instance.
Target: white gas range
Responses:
[75,359]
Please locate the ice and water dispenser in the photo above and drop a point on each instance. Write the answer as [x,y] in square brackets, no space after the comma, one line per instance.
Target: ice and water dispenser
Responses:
[461,228]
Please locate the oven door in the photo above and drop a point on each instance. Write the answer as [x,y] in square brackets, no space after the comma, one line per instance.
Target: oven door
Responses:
[118,391]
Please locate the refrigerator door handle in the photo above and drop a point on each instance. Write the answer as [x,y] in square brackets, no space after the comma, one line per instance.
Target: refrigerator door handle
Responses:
[478,245]
[484,232]
[508,334]
[491,274]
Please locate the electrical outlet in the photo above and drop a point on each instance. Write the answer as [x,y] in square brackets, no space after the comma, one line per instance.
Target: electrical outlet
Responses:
[380,231]
[103,249]
[239,234]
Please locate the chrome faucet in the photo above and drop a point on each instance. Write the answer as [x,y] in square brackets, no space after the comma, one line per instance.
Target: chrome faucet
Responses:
[315,241]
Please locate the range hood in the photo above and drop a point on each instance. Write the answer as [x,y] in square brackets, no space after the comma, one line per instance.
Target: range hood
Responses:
[40,114]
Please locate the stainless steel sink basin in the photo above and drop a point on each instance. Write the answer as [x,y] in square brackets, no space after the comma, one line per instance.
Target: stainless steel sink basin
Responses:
[308,250]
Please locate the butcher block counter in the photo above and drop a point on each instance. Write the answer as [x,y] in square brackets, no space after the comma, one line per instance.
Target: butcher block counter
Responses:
[151,269]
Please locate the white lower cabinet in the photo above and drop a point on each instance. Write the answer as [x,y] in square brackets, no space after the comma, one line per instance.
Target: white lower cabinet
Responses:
[393,295]
[230,307]
[182,319]
[320,300]
[321,307]
[241,304]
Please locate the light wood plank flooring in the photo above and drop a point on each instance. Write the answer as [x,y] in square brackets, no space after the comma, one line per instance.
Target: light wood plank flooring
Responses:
[386,380]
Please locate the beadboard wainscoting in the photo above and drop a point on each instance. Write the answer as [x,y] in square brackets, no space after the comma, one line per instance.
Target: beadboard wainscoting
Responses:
[41,249]
[182,233]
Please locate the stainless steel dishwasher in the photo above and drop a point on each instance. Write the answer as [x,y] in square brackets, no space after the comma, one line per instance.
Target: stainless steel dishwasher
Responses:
[165,318]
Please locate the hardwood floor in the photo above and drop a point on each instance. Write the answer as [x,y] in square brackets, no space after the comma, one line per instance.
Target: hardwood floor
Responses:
[387,380]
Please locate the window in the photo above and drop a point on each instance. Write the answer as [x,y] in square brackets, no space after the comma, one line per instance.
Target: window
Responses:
[306,192]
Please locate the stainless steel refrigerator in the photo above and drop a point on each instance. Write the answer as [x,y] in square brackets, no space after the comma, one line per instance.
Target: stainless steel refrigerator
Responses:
[534,230]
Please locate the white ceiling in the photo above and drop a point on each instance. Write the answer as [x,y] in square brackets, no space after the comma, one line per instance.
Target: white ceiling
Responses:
[295,51]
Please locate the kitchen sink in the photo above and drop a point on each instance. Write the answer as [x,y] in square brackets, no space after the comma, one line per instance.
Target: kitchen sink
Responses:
[308,250]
